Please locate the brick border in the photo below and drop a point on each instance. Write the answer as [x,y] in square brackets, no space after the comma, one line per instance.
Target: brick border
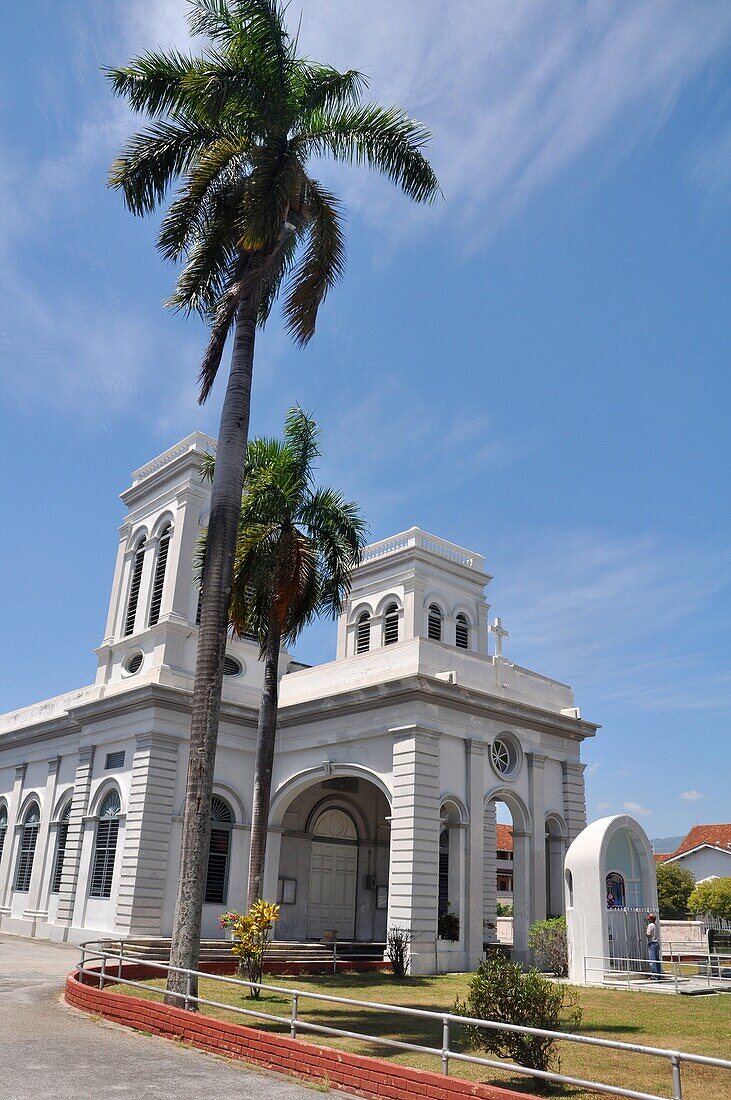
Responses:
[368,1077]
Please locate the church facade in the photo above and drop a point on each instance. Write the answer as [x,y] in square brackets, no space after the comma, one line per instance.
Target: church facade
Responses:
[390,760]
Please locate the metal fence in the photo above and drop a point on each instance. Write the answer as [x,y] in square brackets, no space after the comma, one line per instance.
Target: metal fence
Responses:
[95,953]
[683,968]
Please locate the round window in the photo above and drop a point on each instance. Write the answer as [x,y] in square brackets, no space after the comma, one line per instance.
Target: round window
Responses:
[133,663]
[231,667]
[504,756]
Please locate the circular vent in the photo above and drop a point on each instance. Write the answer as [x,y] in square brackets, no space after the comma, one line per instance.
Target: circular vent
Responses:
[231,667]
[133,664]
[505,756]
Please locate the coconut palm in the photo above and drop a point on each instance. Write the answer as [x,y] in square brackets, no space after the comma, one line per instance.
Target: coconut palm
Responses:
[236,128]
[297,546]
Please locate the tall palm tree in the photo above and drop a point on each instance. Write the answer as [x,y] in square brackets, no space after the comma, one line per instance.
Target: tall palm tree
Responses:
[236,127]
[297,546]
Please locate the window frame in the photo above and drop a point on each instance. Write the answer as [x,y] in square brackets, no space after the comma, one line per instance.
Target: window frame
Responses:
[363,632]
[434,622]
[158,579]
[391,624]
[62,833]
[27,849]
[462,631]
[135,584]
[104,852]
[220,826]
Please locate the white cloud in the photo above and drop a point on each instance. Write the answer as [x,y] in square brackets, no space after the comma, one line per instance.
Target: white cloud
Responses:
[604,805]
[592,769]
[636,808]
[690,796]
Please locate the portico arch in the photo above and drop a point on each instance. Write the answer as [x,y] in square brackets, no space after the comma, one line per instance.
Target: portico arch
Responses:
[522,828]
[556,840]
[328,853]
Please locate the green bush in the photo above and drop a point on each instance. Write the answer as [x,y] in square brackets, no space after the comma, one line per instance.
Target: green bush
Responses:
[547,940]
[504,910]
[398,941]
[712,898]
[448,926]
[674,887]
[502,991]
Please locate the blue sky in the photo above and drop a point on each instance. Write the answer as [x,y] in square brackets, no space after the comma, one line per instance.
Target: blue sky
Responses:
[536,369]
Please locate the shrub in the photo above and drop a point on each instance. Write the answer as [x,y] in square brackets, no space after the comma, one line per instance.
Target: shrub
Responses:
[712,898]
[448,926]
[548,942]
[502,991]
[504,909]
[398,941]
[253,935]
[674,887]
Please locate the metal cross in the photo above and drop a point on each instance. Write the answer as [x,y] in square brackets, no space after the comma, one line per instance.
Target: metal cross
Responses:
[499,633]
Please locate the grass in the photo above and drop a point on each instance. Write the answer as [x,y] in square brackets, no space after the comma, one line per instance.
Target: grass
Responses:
[700,1025]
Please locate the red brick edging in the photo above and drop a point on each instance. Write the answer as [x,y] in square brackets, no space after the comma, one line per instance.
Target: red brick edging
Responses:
[354,1073]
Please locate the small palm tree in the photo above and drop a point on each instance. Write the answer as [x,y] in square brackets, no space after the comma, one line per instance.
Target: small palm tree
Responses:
[236,128]
[296,549]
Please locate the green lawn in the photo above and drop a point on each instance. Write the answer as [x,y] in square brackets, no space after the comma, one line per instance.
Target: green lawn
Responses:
[695,1024]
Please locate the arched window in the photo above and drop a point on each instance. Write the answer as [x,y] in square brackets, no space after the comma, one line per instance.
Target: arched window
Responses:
[28,838]
[159,581]
[434,623]
[218,851]
[363,633]
[105,847]
[61,837]
[134,588]
[463,632]
[390,630]
[3,828]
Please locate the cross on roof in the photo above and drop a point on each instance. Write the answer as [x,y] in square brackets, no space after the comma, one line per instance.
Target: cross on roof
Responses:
[499,633]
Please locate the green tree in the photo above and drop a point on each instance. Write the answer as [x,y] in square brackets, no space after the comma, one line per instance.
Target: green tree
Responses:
[297,546]
[674,887]
[235,128]
[712,898]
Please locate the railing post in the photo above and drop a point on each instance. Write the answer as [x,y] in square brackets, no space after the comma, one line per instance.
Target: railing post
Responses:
[335,957]
[188,991]
[676,964]
[82,961]
[677,1083]
[293,1024]
[445,1045]
[102,970]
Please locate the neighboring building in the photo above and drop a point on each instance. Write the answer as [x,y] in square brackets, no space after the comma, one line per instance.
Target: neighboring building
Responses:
[504,855]
[390,759]
[705,852]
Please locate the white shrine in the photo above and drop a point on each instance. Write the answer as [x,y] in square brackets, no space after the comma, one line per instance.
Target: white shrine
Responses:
[390,759]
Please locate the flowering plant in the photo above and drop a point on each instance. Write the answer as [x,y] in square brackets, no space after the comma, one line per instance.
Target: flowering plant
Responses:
[229,919]
[252,937]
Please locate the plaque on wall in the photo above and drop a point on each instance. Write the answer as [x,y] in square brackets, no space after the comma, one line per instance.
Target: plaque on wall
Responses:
[381,897]
[287,891]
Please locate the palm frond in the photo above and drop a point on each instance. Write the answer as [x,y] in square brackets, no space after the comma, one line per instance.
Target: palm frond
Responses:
[321,265]
[154,83]
[301,434]
[153,158]
[215,181]
[385,139]
[322,88]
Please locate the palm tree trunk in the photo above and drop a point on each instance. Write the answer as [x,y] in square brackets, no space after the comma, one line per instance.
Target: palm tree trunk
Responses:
[265,735]
[217,578]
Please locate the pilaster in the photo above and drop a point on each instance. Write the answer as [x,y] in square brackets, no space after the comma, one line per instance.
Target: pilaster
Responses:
[489,874]
[177,592]
[473,899]
[74,836]
[414,861]
[574,798]
[33,910]
[536,781]
[6,864]
[521,894]
[146,849]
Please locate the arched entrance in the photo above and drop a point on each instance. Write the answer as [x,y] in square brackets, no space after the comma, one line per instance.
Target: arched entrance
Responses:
[555,841]
[333,875]
[511,870]
[328,855]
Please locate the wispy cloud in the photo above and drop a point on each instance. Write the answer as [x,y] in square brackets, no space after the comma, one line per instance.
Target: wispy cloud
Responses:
[690,796]
[637,809]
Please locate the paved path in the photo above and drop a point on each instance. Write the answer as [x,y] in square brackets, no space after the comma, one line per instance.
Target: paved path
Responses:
[52,1051]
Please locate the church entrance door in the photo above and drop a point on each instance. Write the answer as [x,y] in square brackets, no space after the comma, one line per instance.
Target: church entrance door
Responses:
[333,876]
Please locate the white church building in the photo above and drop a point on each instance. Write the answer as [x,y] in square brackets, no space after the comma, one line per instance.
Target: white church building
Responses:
[390,759]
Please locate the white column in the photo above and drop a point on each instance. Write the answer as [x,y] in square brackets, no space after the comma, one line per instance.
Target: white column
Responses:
[177,595]
[521,894]
[113,615]
[489,874]
[536,783]
[74,837]
[147,836]
[555,903]
[42,855]
[472,907]
[6,864]
[413,888]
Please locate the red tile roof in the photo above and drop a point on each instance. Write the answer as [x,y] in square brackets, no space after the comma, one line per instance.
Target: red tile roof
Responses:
[504,838]
[717,835]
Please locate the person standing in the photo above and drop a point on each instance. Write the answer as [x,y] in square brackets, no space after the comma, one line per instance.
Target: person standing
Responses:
[653,946]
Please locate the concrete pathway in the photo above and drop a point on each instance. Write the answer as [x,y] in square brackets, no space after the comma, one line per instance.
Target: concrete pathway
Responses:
[50,1050]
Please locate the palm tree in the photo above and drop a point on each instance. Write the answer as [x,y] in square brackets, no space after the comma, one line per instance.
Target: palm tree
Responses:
[235,127]
[297,546]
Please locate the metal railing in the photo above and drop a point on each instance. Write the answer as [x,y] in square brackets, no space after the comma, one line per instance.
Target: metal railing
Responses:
[681,967]
[445,1053]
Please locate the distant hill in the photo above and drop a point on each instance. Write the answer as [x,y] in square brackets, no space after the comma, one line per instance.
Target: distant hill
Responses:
[665,844]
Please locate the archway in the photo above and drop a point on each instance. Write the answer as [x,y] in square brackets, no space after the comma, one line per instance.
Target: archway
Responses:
[506,882]
[329,845]
[555,842]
